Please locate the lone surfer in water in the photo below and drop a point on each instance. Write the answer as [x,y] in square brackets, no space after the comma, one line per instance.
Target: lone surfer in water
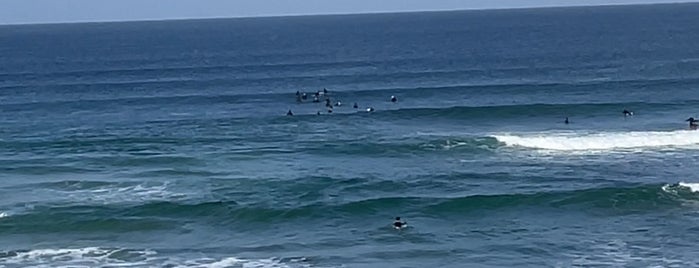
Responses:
[566,121]
[394,99]
[692,123]
[627,113]
[398,224]
[289,113]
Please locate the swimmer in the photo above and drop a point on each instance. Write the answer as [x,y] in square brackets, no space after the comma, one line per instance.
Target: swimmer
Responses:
[398,224]
[394,99]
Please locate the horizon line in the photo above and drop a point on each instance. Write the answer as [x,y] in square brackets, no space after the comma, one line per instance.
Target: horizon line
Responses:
[679,2]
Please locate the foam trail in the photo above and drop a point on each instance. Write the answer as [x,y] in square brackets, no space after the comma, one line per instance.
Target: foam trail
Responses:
[602,141]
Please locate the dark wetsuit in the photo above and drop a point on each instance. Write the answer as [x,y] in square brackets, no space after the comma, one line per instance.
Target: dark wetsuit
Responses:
[693,123]
[398,224]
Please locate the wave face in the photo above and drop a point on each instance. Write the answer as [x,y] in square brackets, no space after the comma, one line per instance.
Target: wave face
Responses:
[167,144]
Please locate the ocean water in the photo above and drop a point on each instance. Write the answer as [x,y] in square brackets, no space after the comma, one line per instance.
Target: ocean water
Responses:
[165,144]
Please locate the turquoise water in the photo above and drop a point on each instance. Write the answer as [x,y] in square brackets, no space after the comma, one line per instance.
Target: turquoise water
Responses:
[165,144]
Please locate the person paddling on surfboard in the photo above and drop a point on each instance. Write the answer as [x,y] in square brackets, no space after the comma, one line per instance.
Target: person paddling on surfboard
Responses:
[627,113]
[692,123]
[398,224]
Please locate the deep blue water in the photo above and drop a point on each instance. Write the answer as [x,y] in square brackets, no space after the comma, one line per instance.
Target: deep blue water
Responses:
[165,144]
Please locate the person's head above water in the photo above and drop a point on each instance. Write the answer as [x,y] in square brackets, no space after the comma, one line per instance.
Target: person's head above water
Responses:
[397,218]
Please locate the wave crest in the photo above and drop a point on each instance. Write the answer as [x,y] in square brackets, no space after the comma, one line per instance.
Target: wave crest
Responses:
[602,141]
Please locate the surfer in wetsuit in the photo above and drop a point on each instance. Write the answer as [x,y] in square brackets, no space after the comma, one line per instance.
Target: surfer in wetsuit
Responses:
[692,123]
[567,121]
[627,113]
[289,113]
[398,224]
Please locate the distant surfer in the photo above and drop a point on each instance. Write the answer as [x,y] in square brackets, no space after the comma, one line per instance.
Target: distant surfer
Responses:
[693,123]
[355,106]
[627,113]
[370,109]
[566,121]
[289,113]
[339,103]
[394,99]
[325,91]
[304,96]
[398,224]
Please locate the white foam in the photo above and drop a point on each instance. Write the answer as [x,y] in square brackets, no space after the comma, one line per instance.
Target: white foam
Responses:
[112,257]
[694,187]
[122,193]
[602,141]
[3,215]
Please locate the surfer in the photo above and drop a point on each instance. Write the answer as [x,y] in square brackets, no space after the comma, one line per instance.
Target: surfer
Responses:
[370,109]
[325,91]
[289,113]
[627,113]
[398,224]
[355,106]
[566,121]
[394,99]
[692,123]
[304,96]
